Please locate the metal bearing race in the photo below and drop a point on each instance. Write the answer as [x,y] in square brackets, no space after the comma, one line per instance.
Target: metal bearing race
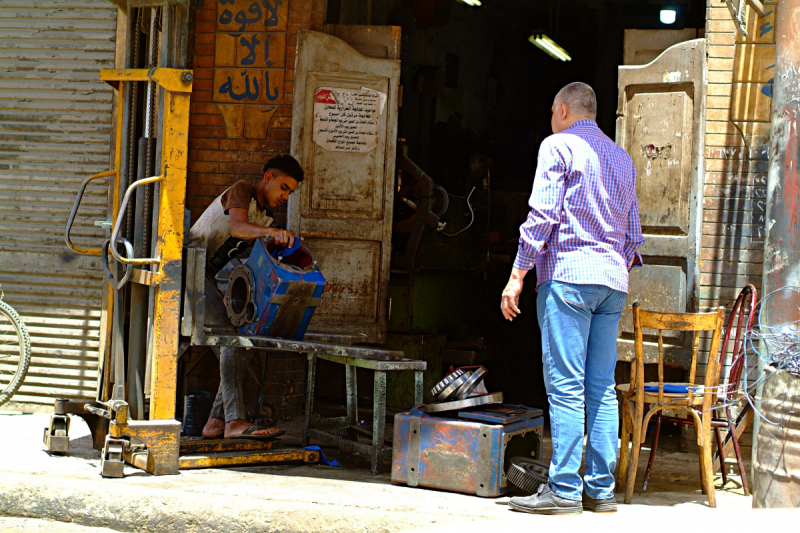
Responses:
[241,302]
[527,474]
[470,385]
[448,379]
[449,391]
[475,401]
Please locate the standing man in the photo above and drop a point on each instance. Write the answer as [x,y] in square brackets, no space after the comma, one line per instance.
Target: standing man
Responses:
[229,226]
[582,234]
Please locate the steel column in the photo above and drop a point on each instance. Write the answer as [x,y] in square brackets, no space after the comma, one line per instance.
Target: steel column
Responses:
[782,243]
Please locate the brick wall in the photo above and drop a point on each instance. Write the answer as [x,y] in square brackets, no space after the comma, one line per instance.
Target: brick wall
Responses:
[739,106]
[234,127]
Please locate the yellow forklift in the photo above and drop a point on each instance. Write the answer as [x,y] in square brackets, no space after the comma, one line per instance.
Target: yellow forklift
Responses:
[153,303]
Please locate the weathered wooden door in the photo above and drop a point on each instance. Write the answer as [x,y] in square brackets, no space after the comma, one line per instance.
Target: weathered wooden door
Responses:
[344,133]
[660,119]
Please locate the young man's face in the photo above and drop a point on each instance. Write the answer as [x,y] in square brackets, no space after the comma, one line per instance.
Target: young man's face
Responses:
[279,187]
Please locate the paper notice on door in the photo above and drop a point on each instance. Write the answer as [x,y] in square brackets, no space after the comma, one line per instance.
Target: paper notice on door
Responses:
[346,120]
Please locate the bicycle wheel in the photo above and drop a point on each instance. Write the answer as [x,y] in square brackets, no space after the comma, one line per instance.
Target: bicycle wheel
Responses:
[15,352]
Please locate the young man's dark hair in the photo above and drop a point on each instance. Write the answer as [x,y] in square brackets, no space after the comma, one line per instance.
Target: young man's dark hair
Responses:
[286,164]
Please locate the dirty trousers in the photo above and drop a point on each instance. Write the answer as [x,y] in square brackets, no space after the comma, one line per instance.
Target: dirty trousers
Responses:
[233,362]
[579,352]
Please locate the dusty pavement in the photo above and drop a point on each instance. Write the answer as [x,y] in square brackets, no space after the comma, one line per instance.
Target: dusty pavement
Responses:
[69,489]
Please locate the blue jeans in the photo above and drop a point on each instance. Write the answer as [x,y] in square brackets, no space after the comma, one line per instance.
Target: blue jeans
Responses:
[579,343]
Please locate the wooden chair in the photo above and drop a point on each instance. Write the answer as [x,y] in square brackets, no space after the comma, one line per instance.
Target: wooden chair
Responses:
[740,321]
[697,401]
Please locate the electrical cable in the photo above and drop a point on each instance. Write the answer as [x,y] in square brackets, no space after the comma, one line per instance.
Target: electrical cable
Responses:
[472,218]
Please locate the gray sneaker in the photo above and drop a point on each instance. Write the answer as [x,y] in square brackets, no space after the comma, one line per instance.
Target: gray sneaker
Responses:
[545,501]
[606,505]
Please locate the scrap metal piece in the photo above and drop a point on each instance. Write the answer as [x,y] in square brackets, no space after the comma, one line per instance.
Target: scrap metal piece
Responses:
[451,389]
[475,401]
[470,385]
[448,379]
[527,474]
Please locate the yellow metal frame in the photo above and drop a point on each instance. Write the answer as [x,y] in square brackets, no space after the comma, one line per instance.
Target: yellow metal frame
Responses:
[155,444]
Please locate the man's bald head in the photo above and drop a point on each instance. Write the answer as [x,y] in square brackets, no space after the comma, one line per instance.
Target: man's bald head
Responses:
[580,99]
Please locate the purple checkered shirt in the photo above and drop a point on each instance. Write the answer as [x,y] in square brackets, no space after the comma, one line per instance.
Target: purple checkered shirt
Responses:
[584,224]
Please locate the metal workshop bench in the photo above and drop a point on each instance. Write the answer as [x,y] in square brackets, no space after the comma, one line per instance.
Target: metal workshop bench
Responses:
[349,423]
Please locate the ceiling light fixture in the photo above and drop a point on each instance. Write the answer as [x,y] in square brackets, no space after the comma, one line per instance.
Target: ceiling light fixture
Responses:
[472,3]
[667,16]
[549,46]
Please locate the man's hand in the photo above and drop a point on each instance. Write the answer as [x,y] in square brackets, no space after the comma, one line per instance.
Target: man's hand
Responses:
[281,236]
[509,304]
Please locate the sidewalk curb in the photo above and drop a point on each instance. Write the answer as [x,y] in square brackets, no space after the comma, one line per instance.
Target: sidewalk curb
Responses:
[148,509]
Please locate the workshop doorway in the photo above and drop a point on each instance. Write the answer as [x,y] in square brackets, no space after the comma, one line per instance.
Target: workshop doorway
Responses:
[476,104]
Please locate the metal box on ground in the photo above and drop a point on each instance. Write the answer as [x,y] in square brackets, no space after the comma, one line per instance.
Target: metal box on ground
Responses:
[462,455]
[273,298]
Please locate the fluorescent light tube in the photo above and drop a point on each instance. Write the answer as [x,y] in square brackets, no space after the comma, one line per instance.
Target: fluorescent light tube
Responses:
[472,3]
[549,46]
[667,16]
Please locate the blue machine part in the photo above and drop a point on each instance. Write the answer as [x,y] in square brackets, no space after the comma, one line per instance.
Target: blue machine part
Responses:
[460,455]
[282,252]
[275,298]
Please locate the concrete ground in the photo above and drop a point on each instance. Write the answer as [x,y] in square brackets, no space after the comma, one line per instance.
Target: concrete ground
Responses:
[67,493]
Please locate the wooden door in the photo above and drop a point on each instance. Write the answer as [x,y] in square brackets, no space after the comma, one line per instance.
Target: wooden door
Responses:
[640,47]
[344,133]
[660,124]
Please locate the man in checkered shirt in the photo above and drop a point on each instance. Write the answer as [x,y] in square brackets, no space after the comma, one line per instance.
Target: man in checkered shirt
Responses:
[582,234]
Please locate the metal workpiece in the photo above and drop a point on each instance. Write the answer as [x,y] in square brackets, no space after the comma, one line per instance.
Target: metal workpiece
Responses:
[240,302]
[470,385]
[527,474]
[450,390]
[273,295]
[448,379]
[475,401]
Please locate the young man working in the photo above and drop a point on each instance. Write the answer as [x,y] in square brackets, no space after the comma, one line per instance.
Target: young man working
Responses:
[228,227]
[582,234]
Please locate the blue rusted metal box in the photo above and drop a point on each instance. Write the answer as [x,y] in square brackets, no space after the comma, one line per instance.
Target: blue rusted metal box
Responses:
[461,455]
[275,298]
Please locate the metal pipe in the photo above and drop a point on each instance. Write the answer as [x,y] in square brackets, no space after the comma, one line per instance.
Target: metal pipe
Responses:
[120,217]
[782,235]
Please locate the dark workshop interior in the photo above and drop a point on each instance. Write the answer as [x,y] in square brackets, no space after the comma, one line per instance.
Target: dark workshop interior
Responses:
[476,104]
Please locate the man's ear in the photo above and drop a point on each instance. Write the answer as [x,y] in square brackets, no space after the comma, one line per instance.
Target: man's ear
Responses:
[268,176]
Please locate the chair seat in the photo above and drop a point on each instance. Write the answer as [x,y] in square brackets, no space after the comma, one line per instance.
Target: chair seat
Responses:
[652,397]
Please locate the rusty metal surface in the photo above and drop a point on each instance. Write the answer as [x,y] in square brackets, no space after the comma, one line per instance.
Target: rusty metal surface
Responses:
[458,455]
[191,445]
[782,240]
[660,124]
[344,206]
[216,460]
[776,469]
[55,130]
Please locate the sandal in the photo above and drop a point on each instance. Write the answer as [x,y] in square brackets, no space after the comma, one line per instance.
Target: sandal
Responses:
[248,433]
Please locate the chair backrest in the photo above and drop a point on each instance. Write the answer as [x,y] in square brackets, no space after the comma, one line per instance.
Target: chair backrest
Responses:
[689,322]
[742,315]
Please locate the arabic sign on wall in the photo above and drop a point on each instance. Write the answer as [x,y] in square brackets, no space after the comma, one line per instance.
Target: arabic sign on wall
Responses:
[346,120]
[249,61]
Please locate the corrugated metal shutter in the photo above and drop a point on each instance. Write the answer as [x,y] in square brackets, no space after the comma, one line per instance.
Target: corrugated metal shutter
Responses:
[55,130]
